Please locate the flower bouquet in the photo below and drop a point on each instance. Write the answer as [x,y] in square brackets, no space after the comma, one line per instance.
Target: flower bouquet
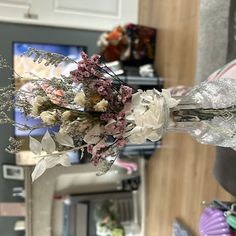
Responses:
[91,108]
[132,44]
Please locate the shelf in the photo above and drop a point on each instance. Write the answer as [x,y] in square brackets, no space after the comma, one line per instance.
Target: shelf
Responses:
[140,149]
[138,80]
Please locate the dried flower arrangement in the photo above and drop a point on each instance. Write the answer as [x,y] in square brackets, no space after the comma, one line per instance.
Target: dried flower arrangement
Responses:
[92,107]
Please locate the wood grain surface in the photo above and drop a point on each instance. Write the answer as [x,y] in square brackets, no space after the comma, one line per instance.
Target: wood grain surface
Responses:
[177,24]
[179,175]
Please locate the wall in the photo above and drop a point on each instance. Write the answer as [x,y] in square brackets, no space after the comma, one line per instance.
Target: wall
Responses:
[231,55]
[176,22]
[212,37]
[30,33]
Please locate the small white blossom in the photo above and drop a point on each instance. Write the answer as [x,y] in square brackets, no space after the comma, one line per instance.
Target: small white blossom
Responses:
[101,106]
[66,115]
[38,102]
[84,125]
[48,117]
[80,99]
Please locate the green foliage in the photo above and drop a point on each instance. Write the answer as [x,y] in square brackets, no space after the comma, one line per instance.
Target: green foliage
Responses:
[107,216]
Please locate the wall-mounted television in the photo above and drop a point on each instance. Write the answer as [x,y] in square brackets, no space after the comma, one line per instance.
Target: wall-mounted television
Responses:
[23,65]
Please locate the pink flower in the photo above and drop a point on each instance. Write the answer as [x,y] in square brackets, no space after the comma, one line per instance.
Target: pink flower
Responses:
[120,142]
[84,56]
[98,151]
[87,68]
[117,125]
[90,148]
[95,58]
[55,95]
[102,91]
[102,82]
[94,72]
[59,92]
[45,86]
[126,93]
[107,116]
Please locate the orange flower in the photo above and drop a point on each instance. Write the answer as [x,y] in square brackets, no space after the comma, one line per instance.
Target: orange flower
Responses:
[115,34]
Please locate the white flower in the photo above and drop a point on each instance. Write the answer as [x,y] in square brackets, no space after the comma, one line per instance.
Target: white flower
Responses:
[101,106]
[48,117]
[66,115]
[171,102]
[80,99]
[93,135]
[38,102]
[146,109]
[138,135]
[147,115]
[83,126]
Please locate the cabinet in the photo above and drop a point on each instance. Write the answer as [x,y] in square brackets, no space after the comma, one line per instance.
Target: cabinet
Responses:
[85,14]
[79,216]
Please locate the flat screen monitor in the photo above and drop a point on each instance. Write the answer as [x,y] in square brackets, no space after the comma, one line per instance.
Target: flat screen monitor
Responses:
[23,65]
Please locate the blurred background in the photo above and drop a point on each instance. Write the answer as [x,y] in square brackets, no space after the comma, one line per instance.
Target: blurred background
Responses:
[149,44]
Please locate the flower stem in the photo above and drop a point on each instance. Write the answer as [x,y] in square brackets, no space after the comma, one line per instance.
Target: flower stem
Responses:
[199,114]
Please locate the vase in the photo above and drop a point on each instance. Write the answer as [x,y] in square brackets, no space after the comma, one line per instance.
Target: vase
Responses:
[214,126]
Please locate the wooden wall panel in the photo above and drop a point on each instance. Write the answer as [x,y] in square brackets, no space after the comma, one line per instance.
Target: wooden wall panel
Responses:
[179,178]
[179,175]
[177,23]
